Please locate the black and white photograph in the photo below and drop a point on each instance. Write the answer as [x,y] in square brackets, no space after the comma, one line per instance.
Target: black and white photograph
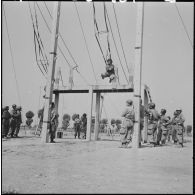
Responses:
[97,97]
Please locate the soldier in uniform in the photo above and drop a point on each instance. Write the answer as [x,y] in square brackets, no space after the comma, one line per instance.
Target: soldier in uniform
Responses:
[5,121]
[164,121]
[174,129]
[13,121]
[161,126]
[169,128]
[53,123]
[77,126]
[18,121]
[110,72]
[179,126]
[126,131]
[153,117]
[84,124]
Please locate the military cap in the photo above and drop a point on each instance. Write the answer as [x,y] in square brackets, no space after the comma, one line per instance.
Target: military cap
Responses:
[151,105]
[14,106]
[179,109]
[163,110]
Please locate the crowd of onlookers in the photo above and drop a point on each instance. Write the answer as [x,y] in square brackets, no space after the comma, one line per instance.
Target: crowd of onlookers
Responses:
[161,128]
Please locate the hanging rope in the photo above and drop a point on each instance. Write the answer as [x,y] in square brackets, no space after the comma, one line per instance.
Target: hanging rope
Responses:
[120,38]
[13,65]
[184,26]
[40,42]
[36,41]
[61,37]
[85,42]
[115,43]
[70,66]
[97,32]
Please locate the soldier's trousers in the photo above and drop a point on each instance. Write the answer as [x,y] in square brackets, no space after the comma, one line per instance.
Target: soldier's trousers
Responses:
[152,132]
[180,134]
[17,129]
[159,135]
[5,127]
[77,131]
[164,136]
[12,128]
[126,137]
[174,133]
[53,129]
[169,134]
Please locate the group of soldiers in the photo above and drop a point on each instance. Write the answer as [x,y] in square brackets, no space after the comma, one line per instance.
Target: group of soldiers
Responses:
[160,126]
[11,121]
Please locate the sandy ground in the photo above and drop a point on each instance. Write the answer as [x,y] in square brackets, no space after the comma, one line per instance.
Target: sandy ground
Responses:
[78,166]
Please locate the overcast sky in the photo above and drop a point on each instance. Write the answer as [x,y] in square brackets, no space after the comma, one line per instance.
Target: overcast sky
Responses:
[167,54]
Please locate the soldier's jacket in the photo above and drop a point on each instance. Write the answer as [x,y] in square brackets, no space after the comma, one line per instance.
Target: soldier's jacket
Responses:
[84,122]
[110,69]
[129,113]
[164,121]
[54,117]
[153,115]
[6,115]
[19,117]
[13,113]
[178,120]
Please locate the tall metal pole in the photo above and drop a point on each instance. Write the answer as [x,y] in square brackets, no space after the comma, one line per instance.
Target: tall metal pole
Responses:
[138,72]
[50,74]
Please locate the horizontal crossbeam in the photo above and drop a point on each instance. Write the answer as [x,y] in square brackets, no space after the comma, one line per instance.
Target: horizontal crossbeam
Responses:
[96,89]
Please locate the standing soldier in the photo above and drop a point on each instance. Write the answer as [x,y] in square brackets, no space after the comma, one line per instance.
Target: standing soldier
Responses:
[18,121]
[163,125]
[153,117]
[174,129]
[169,128]
[5,121]
[77,126]
[53,123]
[84,124]
[13,121]
[128,124]
[180,126]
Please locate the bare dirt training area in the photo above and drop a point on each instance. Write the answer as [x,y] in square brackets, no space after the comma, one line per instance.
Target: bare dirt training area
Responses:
[77,166]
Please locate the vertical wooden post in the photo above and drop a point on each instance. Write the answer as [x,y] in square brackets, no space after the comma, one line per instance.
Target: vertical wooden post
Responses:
[57,87]
[89,114]
[137,72]
[97,116]
[50,74]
